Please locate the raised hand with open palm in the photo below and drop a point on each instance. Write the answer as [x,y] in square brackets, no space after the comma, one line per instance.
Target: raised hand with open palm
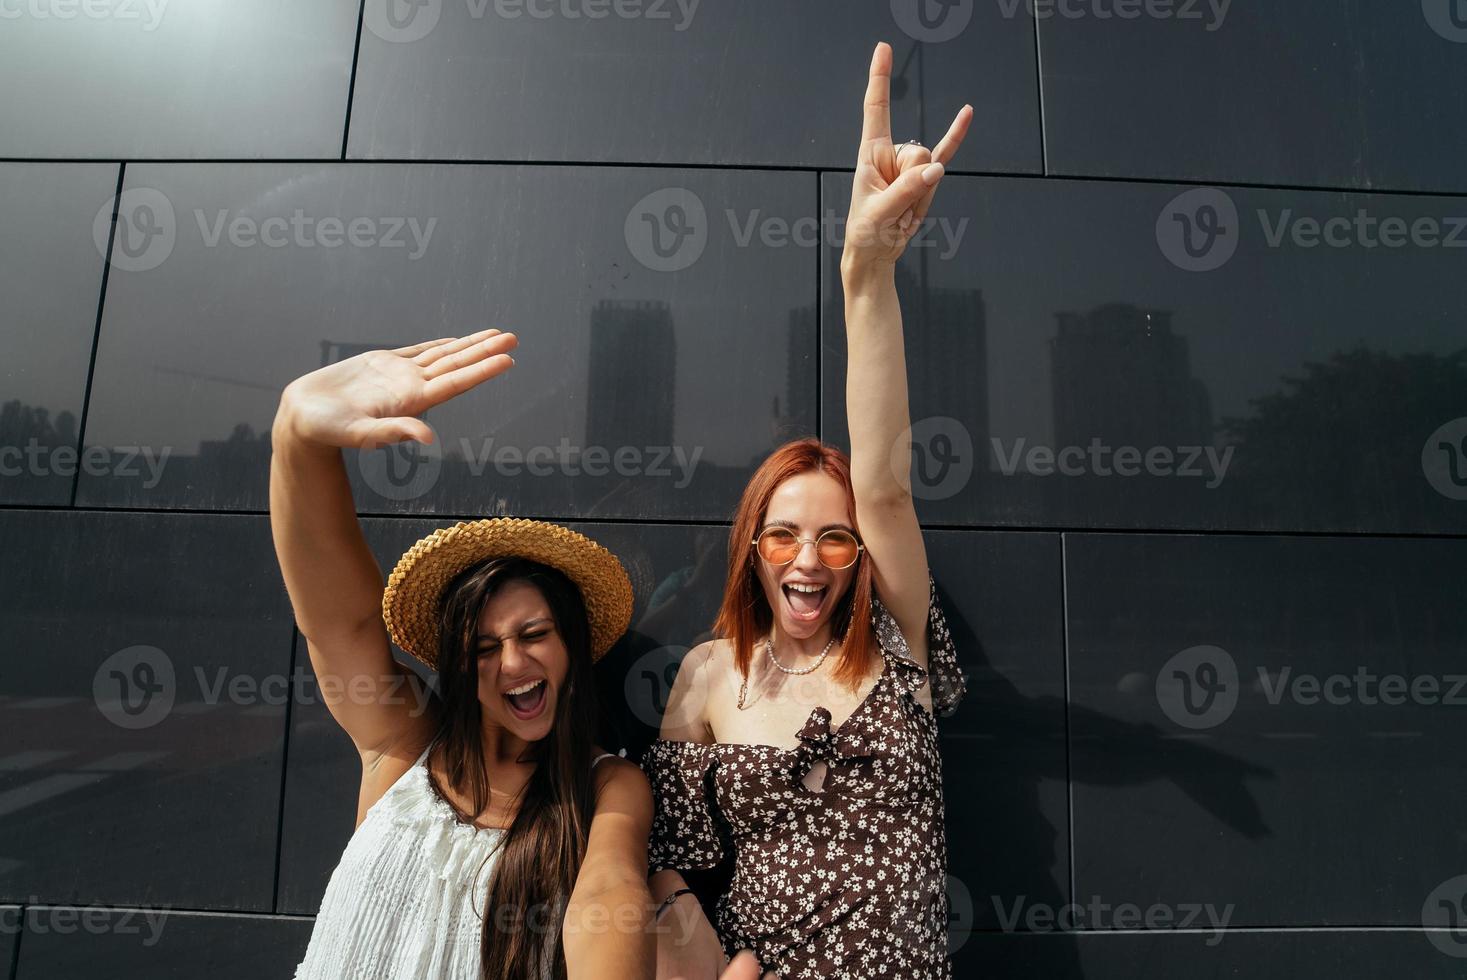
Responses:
[374,398]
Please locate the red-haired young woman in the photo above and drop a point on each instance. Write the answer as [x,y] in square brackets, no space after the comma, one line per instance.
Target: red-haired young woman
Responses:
[802,742]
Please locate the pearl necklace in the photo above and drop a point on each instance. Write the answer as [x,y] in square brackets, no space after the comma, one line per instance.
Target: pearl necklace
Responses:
[769,649]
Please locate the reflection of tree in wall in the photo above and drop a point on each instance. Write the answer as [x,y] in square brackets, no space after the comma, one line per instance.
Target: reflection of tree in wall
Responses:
[243,447]
[20,423]
[1344,439]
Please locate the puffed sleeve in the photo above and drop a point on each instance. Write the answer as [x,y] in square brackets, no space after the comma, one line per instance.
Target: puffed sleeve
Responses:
[947,680]
[685,825]
[948,683]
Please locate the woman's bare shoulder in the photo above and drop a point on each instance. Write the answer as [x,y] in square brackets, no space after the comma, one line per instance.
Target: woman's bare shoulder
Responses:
[621,785]
[702,672]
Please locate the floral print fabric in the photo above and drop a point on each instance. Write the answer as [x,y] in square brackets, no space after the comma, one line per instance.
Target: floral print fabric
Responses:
[848,880]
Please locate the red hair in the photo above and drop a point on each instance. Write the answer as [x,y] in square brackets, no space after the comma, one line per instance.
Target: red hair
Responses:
[745,613]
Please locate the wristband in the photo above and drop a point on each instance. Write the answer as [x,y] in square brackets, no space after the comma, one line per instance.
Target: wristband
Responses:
[669,900]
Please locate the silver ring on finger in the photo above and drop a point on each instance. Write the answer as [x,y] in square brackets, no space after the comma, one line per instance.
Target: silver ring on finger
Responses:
[904,146]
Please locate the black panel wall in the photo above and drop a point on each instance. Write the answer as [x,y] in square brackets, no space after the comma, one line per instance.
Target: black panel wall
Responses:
[1187,341]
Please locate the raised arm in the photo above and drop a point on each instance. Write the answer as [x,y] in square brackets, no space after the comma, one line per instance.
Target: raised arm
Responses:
[334,583]
[890,197]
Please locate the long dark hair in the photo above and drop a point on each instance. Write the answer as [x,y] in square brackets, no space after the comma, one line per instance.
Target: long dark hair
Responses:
[541,852]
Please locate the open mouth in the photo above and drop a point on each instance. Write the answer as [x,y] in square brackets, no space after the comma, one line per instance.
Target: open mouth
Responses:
[527,700]
[804,601]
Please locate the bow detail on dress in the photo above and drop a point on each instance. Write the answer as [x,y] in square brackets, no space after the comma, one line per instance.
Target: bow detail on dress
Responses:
[819,744]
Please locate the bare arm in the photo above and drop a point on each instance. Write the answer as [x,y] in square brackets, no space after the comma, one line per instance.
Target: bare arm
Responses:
[687,945]
[686,716]
[889,200]
[334,583]
[606,931]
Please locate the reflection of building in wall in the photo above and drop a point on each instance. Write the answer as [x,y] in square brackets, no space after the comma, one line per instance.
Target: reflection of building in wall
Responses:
[630,398]
[1121,375]
[796,397]
[947,354]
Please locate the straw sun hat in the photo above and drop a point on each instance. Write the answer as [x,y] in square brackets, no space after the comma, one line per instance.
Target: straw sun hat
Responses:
[410,601]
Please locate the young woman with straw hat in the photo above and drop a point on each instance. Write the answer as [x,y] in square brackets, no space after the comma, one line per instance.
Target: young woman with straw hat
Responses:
[494,839]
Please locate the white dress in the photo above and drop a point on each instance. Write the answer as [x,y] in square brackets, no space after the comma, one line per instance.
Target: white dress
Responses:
[406,901]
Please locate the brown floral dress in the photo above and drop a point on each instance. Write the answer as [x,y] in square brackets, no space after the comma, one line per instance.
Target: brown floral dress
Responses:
[848,880]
